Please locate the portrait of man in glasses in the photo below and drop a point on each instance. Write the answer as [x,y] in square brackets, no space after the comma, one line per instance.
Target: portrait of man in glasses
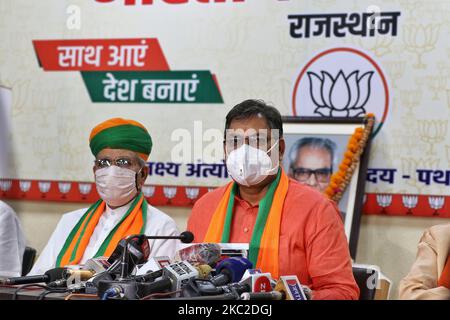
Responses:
[311,161]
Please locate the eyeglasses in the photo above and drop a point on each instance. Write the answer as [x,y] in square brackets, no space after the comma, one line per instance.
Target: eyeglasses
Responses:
[257,141]
[120,162]
[303,174]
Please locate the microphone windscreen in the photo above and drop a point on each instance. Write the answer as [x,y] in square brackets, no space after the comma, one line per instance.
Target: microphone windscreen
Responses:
[55,274]
[235,267]
[187,237]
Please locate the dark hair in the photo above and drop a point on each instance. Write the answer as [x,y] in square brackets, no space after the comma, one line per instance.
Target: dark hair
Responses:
[251,108]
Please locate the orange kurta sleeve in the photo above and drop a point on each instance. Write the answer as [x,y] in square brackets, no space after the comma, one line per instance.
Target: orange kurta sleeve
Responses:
[327,252]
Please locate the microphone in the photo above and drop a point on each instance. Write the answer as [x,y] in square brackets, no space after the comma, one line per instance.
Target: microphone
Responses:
[129,287]
[49,276]
[133,248]
[173,278]
[185,237]
[201,253]
[258,282]
[230,270]
[72,276]
[202,287]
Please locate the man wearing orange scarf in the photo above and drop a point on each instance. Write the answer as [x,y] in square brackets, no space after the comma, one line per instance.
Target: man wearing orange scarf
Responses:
[121,148]
[291,229]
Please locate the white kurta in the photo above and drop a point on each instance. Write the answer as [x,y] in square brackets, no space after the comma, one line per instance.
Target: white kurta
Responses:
[158,224]
[12,242]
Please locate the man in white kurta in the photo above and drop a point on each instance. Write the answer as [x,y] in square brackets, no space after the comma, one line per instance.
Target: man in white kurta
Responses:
[121,148]
[12,242]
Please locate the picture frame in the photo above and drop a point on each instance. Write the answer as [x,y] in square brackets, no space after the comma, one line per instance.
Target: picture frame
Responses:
[338,131]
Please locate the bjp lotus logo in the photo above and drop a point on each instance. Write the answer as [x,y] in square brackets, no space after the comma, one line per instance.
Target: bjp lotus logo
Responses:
[341,82]
[341,95]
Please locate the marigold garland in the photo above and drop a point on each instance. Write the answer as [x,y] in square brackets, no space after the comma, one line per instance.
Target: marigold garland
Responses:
[356,144]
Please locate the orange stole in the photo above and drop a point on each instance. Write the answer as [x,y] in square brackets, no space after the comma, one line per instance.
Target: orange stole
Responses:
[269,244]
[444,279]
[78,240]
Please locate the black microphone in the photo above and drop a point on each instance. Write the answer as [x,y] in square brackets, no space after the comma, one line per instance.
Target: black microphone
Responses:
[185,237]
[49,276]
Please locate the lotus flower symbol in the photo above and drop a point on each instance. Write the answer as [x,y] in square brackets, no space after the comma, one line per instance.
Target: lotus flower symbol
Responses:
[192,193]
[24,186]
[384,201]
[64,188]
[148,191]
[44,187]
[436,203]
[5,185]
[409,202]
[340,96]
[170,193]
[85,189]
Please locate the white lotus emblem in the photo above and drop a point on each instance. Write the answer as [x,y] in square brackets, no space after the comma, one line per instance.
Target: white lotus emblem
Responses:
[436,203]
[409,202]
[170,192]
[148,191]
[5,185]
[340,96]
[384,201]
[44,187]
[64,188]
[24,186]
[85,189]
[192,193]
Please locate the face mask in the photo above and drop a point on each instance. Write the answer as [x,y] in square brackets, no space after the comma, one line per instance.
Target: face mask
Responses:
[115,185]
[249,166]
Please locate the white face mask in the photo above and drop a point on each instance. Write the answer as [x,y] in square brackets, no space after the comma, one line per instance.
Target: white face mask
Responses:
[249,166]
[115,185]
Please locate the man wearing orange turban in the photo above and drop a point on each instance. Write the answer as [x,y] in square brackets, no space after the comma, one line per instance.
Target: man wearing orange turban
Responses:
[121,148]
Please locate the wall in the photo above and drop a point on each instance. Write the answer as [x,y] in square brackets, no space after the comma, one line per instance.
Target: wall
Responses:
[389,242]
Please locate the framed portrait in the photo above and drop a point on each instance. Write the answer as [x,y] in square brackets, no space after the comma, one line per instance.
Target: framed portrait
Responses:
[314,149]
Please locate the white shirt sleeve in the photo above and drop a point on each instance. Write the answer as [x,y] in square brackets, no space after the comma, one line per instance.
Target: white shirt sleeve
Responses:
[160,224]
[48,256]
[12,243]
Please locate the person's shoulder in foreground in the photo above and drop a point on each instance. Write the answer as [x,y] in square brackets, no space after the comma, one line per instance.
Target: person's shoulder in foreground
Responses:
[429,277]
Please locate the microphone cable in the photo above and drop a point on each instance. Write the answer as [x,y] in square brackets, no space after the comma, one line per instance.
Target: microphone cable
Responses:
[46,288]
